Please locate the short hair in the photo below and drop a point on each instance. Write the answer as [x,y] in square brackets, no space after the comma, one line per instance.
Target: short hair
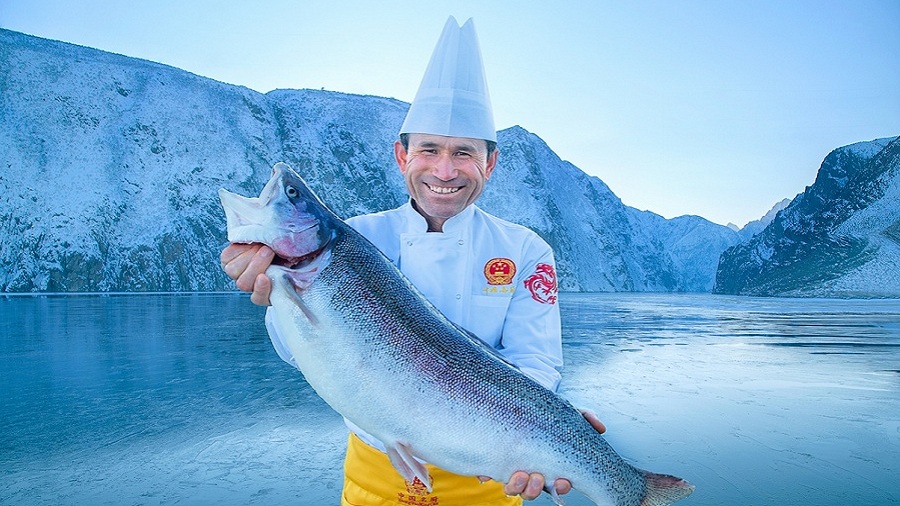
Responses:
[491,145]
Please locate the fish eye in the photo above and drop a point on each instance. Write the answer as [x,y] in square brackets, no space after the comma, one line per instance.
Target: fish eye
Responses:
[291,192]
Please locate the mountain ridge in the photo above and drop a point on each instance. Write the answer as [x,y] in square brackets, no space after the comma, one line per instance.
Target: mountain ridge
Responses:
[112,165]
[835,239]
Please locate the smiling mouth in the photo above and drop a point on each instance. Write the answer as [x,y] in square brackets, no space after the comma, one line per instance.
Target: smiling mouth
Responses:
[443,190]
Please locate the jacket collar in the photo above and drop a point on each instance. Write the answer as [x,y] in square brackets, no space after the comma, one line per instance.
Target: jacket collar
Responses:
[415,222]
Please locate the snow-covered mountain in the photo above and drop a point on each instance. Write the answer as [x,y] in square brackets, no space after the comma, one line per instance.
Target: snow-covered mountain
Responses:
[600,243]
[109,167]
[757,226]
[839,238]
[693,244]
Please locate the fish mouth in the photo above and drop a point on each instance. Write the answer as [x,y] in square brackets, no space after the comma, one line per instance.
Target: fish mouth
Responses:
[295,239]
[296,263]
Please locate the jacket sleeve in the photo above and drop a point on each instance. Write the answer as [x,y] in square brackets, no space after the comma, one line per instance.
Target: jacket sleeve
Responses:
[532,333]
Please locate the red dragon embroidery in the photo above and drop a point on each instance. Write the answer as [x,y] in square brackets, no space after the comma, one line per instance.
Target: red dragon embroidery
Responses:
[542,284]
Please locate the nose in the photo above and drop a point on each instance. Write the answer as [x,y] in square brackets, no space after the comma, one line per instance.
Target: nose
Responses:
[443,168]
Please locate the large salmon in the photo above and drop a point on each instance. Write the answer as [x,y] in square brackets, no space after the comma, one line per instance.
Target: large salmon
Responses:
[386,359]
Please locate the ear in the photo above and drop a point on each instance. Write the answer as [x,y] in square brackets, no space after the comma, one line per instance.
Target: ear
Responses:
[491,163]
[400,156]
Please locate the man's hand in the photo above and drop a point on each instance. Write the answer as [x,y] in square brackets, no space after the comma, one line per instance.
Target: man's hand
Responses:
[246,264]
[531,486]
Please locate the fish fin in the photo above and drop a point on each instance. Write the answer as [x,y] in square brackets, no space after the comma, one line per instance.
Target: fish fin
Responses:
[407,465]
[295,298]
[662,489]
[550,488]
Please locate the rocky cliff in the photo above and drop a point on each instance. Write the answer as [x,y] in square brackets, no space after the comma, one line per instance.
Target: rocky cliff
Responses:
[839,238]
[109,168]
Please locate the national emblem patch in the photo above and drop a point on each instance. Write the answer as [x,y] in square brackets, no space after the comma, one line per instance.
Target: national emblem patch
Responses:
[417,495]
[499,271]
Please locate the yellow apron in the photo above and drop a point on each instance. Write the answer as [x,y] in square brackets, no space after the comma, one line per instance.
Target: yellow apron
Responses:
[371,480]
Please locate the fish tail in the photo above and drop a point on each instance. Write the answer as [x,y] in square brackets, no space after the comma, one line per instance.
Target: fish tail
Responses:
[662,489]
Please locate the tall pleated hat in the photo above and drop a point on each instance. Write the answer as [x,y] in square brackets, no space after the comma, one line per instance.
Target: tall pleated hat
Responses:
[453,97]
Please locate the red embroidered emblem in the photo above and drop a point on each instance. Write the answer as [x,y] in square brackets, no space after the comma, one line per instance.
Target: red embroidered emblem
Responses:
[499,271]
[417,494]
[542,284]
[416,487]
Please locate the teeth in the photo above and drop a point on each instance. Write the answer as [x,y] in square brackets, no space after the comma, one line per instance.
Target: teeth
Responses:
[442,189]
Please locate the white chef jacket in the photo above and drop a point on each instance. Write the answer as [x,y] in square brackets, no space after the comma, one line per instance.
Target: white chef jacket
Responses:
[493,278]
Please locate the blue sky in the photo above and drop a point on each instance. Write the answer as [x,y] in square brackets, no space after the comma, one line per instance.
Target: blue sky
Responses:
[713,108]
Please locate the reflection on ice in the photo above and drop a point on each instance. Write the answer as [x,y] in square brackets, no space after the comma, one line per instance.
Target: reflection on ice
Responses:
[155,400]
[163,399]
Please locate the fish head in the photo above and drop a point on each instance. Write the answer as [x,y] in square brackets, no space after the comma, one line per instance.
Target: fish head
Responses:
[286,216]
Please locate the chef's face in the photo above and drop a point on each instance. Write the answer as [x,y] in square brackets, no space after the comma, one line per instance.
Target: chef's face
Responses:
[444,175]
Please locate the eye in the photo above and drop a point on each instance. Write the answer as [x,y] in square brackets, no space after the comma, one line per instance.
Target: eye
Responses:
[291,192]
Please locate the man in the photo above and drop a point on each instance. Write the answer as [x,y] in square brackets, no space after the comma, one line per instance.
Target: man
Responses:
[491,277]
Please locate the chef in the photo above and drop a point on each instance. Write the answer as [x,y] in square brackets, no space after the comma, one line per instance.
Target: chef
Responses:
[493,278]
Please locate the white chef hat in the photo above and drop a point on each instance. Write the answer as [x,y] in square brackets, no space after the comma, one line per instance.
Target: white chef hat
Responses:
[453,98]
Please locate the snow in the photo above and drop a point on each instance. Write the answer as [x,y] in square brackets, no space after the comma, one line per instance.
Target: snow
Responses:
[867,149]
[113,164]
[757,226]
[837,239]
[858,282]
[111,167]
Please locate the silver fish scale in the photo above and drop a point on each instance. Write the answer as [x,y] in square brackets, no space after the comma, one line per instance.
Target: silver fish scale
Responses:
[419,341]
[382,356]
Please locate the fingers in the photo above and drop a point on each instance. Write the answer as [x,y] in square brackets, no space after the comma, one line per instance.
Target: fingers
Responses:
[594,420]
[516,484]
[531,486]
[525,485]
[233,250]
[563,486]
[262,288]
[534,488]
[251,265]
[246,264]
[236,257]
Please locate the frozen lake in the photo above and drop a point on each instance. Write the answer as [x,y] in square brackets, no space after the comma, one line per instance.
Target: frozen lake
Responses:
[180,399]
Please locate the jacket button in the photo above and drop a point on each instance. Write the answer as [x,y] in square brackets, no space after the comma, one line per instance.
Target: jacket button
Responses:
[460,242]
[409,243]
[458,296]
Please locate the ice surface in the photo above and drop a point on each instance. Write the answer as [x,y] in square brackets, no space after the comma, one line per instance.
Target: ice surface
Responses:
[156,400]
[180,399]
[755,401]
